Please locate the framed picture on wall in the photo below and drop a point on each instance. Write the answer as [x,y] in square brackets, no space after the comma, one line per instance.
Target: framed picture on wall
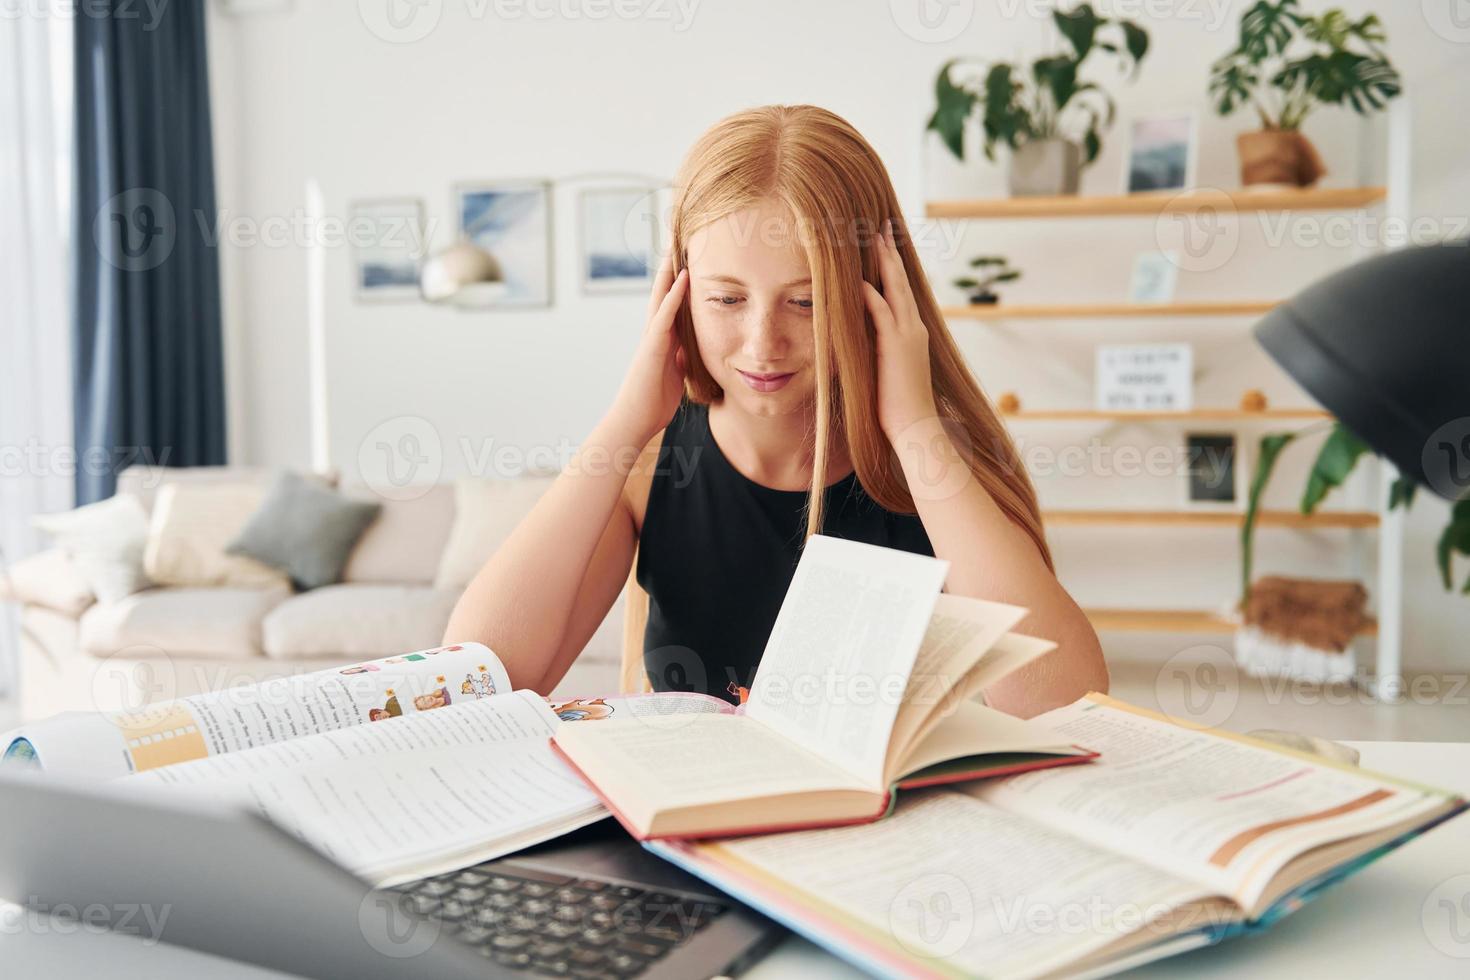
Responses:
[511,219]
[1214,474]
[1154,276]
[387,238]
[619,239]
[1162,152]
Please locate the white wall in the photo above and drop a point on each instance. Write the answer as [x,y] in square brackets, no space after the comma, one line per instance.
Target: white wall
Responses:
[312,92]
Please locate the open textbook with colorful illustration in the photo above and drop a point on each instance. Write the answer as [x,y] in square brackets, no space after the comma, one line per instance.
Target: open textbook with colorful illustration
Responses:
[1174,838]
[396,768]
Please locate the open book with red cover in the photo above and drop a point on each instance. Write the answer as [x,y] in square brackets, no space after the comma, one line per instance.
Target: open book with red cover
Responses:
[867,684]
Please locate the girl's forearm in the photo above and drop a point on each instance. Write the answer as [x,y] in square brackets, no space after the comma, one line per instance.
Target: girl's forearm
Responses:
[521,600]
[991,558]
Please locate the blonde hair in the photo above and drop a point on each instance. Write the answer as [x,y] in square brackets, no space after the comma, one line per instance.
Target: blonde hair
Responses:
[833,183]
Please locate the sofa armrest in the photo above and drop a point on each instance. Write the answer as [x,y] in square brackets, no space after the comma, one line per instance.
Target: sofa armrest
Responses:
[48,578]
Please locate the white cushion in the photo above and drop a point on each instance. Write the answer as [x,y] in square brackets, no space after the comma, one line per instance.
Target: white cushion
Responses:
[220,622]
[192,523]
[357,622]
[406,541]
[485,512]
[48,578]
[105,540]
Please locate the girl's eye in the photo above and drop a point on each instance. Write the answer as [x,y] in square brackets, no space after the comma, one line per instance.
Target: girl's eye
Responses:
[724,300]
[804,304]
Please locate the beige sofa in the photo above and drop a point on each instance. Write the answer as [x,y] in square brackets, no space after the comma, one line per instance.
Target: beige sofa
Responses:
[77,654]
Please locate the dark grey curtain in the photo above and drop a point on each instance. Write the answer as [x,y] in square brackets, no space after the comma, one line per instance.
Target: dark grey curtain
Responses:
[147,350]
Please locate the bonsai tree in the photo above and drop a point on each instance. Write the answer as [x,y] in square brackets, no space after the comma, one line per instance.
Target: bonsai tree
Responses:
[1288,63]
[1335,461]
[979,288]
[1048,101]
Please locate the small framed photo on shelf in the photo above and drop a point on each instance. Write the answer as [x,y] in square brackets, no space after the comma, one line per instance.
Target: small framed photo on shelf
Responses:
[1214,473]
[511,219]
[1145,378]
[1162,151]
[619,239]
[1154,277]
[387,237]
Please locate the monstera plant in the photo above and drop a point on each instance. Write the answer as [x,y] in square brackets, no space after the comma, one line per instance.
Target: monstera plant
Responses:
[1289,63]
[1047,113]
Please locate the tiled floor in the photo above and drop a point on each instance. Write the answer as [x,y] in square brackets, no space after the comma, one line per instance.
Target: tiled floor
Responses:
[1436,708]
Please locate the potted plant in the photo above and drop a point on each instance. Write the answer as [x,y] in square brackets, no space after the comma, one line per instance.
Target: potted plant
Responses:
[1335,461]
[979,290]
[1049,116]
[1287,64]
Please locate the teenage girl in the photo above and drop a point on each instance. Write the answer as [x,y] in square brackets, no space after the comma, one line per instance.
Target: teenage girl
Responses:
[795,377]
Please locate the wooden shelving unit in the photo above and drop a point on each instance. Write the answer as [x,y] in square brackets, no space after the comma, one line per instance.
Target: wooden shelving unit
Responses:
[1092,311]
[1222,203]
[1194,415]
[1173,621]
[1351,519]
[1156,203]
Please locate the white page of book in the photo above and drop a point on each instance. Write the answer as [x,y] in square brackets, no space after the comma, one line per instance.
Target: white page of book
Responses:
[699,759]
[231,719]
[385,797]
[954,879]
[518,716]
[1225,813]
[960,635]
[340,697]
[842,648]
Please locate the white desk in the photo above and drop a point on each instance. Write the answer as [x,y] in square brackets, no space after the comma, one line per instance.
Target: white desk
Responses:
[1376,924]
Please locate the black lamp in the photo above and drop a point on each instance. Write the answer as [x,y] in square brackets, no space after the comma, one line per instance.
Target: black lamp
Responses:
[1384,345]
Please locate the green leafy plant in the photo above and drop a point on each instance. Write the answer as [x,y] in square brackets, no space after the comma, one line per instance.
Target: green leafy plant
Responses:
[1338,456]
[1289,63]
[1051,100]
[1002,272]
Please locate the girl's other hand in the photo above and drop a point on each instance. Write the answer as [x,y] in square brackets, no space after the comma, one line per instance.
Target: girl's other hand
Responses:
[905,386]
[654,383]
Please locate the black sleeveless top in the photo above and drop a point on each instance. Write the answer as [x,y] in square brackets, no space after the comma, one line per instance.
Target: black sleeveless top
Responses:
[717,552]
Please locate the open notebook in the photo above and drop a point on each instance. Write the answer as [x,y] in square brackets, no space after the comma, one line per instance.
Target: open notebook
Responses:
[867,683]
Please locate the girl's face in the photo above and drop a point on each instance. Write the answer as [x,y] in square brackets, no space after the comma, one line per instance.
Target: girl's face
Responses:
[750,296]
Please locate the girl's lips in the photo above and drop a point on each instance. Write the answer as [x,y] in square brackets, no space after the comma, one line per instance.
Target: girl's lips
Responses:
[765,382]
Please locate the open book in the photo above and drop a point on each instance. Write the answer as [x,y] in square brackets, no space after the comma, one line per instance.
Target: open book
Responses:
[1175,838]
[396,768]
[866,683]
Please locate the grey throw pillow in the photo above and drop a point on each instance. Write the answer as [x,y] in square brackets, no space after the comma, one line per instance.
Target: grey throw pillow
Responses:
[304,529]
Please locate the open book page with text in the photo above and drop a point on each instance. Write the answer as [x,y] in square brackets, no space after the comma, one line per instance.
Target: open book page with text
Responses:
[955,882]
[971,728]
[443,788]
[842,649]
[1223,811]
[960,632]
[103,746]
[662,770]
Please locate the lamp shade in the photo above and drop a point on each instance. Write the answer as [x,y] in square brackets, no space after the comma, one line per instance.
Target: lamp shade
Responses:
[1384,345]
[463,274]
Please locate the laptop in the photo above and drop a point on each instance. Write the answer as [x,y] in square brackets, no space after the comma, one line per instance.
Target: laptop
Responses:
[226,881]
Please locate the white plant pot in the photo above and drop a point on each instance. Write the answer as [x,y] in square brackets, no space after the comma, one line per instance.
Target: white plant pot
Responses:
[1045,168]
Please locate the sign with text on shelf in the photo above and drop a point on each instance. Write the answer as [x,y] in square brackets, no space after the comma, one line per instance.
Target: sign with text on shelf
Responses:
[1145,377]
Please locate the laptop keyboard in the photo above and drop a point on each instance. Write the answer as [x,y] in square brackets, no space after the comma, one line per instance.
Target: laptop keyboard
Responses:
[553,925]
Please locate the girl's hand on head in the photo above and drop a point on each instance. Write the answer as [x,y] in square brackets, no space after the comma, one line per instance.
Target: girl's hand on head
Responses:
[905,386]
[654,383]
